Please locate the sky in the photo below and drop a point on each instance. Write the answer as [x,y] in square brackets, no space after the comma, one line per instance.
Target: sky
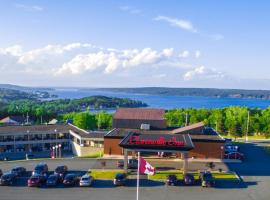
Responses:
[106,43]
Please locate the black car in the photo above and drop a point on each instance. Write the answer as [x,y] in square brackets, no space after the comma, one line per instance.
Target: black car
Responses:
[171,180]
[61,171]
[120,179]
[132,163]
[53,180]
[207,179]
[188,179]
[8,179]
[18,171]
[41,169]
[1,173]
[71,180]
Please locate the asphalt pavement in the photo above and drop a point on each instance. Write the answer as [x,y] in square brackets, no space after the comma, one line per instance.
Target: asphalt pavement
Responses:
[254,171]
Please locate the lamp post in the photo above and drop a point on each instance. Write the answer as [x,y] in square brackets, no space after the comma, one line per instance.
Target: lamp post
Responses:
[221,152]
[59,146]
[53,153]
[56,147]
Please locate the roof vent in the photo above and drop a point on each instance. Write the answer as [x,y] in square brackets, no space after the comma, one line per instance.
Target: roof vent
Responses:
[145,126]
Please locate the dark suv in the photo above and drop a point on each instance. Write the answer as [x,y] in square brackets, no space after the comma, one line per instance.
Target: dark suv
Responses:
[41,169]
[207,179]
[18,171]
[61,171]
[120,179]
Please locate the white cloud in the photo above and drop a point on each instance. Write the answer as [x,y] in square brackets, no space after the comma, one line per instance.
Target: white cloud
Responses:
[168,52]
[38,55]
[184,54]
[111,60]
[188,26]
[29,8]
[197,54]
[87,63]
[203,73]
[15,50]
[131,10]
[180,23]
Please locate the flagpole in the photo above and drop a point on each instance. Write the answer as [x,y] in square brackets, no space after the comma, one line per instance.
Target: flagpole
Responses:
[138,176]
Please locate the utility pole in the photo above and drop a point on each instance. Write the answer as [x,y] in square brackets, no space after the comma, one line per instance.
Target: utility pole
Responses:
[27,119]
[247,127]
[186,123]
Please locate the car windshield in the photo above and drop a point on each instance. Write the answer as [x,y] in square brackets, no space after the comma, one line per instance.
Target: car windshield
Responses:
[189,175]
[6,176]
[70,177]
[207,176]
[120,176]
[52,178]
[34,178]
[39,168]
[85,178]
[60,169]
[172,177]
[15,169]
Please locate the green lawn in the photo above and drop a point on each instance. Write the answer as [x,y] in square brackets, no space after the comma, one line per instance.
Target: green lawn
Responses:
[93,155]
[105,174]
[255,137]
[179,175]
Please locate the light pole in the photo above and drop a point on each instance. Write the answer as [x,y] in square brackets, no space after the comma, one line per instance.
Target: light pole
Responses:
[53,153]
[56,147]
[221,152]
[59,150]
[247,127]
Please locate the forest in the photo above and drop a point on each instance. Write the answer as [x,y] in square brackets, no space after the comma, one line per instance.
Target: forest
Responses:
[45,110]
[230,121]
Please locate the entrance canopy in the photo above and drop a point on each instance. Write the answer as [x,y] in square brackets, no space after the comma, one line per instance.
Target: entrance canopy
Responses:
[157,142]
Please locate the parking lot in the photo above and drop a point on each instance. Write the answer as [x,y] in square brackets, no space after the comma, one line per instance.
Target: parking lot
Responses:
[255,172]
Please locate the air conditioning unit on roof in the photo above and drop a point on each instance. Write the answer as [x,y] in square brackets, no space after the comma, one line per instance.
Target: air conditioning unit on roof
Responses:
[145,126]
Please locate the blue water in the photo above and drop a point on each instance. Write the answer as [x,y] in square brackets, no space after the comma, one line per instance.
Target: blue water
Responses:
[167,102]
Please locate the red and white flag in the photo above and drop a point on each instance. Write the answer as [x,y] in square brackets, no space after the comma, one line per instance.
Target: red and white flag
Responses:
[146,168]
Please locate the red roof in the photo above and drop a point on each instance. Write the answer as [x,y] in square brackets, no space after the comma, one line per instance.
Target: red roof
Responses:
[139,113]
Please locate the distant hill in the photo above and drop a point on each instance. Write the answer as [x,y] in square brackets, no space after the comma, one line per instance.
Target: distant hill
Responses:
[207,92]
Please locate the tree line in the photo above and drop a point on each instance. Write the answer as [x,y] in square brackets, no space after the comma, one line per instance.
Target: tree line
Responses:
[234,121]
[42,111]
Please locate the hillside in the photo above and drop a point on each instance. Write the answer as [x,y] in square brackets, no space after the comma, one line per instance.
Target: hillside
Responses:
[207,92]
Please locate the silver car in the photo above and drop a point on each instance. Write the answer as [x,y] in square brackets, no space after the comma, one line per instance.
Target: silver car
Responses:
[86,180]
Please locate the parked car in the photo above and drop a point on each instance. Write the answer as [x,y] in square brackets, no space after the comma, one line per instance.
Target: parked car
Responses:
[8,179]
[207,179]
[36,180]
[188,179]
[231,148]
[71,180]
[53,180]
[61,170]
[234,155]
[1,173]
[41,169]
[86,180]
[120,179]
[18,171]
[171,180]
[132,163]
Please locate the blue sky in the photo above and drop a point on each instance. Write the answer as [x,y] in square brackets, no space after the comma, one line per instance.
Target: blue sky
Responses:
[100,43]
